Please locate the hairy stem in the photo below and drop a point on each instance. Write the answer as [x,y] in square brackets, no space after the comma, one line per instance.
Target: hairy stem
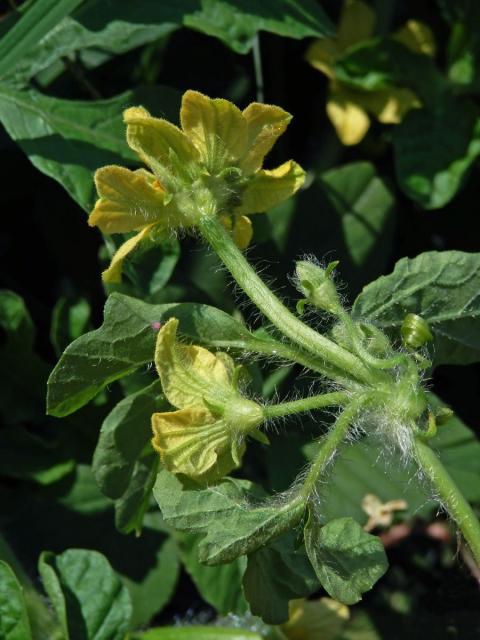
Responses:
[305,404]
[450,496]
[331,442]
[258,292]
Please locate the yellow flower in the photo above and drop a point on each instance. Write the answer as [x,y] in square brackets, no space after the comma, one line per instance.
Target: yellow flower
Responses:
[380,514]
[311,620]
[212,165]
[205,438]
[348,108]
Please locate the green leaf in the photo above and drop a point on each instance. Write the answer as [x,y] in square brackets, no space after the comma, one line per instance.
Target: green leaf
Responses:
[232,526]
[347,560]
[124,434]
[37,21]
[68,140]
[382,63]
[70,320]
[23,372]
[89,598]
[14,624]
[194,632]
[237,23]
[463,49]
[96,26]
[130,508]
[364,205]
[154,570]
[443,288]
[276,574]
[434,150]
[126,341]
[220,586]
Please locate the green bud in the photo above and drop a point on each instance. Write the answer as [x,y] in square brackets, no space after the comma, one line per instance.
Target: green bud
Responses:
[415,331]
[317,286]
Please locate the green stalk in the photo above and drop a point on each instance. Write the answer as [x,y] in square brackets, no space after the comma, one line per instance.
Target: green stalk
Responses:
[305,404]
[330,444]
[288,324]
[450,496]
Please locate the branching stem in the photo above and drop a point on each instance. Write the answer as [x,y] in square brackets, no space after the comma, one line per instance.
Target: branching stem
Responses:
[266,301]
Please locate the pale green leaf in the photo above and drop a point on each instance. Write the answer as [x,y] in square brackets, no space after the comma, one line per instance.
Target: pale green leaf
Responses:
[194,632]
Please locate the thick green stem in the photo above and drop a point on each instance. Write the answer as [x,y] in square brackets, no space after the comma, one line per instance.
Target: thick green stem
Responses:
[450,496]
[288,324]
[330,444]
[305,404]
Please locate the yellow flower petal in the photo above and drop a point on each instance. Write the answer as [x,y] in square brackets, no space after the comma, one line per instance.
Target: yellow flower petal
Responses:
[241,229]
[351,122]
[158,142]
[417,36]
[189,373]
[128,200]
[357,22]
[390,105]
[322,54]
[216,128]
[314,619]
[114,271]
[192,442]
[265,124]
[269,188]
[242,232]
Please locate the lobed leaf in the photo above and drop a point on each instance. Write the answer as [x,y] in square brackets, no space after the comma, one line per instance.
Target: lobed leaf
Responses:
[89,598]
[347,560]
[126,341]
[232,526]
[443,288]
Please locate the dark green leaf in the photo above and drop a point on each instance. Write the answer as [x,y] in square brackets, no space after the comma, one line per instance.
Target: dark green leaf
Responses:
[89,598]
[276,574]
[70,320]
[126,341]
[68,140]
[125,433]
[434,150]
[443,288]
[23,373]
[130,508]
[347,560]
[36,22]
[220,586]
[14,624]
[237,22]
[364,206]
[382,63]
[233,527]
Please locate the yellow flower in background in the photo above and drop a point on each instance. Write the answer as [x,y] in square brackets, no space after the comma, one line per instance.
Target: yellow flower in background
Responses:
[205,438]
[348,108]
[322,619]
[212,165]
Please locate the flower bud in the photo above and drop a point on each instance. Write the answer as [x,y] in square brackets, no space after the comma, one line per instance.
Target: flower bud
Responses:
[415,331]
[317,286]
